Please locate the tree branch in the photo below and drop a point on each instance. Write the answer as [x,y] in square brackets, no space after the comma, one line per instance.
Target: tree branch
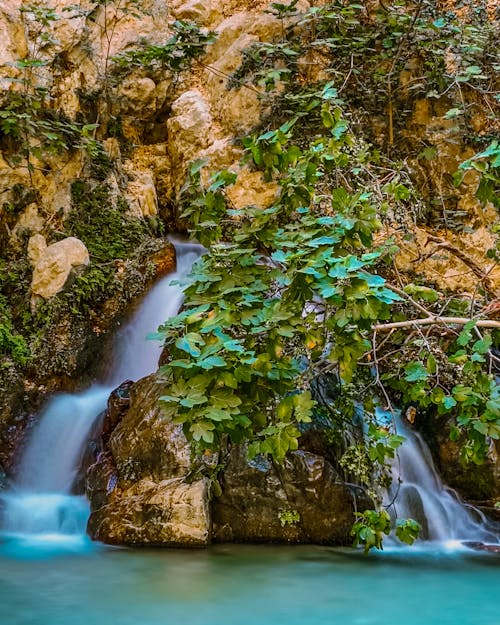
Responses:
[446,321]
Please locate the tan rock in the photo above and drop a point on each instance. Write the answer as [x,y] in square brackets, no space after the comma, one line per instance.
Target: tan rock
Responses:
[139,493]
[36,247]
[55,264]
[251,190]
[12,36]
[141,195]
[203,12]
[171,512]
[30,220]
[189,127]
[222,154]
[238,110]
[137,95]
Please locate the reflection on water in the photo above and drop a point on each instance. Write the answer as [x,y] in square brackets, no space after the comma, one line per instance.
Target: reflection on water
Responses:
[244,585]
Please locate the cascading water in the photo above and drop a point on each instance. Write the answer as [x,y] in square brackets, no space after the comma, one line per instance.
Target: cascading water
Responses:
[40,509]
[418,492]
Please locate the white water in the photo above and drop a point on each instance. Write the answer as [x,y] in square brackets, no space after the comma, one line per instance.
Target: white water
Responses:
[39,508]
[418,493]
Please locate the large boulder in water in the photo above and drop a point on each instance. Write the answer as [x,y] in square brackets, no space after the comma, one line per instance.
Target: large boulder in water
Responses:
[144,489]
[140,489]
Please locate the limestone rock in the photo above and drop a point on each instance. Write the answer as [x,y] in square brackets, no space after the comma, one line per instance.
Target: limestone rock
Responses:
[251,190]
[118,403]
[189,127]
[164,260]
[300,501]
[141,194]
[30,220]
[12,36]
[140,492]
[144,444]
[55,264]
[137,95]
[36,247]
[202,12]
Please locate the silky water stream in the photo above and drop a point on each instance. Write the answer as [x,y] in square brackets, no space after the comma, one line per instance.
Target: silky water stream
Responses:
[39,511]
[417,492]
[52,574]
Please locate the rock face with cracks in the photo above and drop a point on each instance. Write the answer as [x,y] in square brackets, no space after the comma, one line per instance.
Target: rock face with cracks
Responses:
[152,124]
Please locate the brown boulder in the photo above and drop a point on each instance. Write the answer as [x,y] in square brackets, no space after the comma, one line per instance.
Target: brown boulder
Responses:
[139,490]
[301,501]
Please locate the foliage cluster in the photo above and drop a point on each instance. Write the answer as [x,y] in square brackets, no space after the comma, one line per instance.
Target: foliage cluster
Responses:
[285,290]
[367,52]
[286,294]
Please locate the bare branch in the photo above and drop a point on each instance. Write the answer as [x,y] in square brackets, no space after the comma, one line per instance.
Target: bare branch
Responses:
[446,321]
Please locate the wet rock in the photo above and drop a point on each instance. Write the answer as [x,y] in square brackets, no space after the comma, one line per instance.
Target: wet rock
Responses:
[55,265]
[101,481]
[164,260]
[118,403]
[140,492]
[300,501]
[144,443]
[171,512]
[478,546]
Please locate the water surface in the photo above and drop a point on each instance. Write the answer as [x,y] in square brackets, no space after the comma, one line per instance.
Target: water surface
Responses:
[247,585]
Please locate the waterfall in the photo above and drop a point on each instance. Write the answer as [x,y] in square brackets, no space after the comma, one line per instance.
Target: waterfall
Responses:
[39,507]
[418,493]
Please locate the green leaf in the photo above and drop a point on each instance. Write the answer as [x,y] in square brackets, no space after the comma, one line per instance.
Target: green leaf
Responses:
[217,414]
[482,346]
[224,398]
[448,402]
[415,372]
[211,362]
[189,343]
[202,430]
[193,400]
[304,404]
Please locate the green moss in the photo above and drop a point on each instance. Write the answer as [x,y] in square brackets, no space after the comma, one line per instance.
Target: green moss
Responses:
[107,231]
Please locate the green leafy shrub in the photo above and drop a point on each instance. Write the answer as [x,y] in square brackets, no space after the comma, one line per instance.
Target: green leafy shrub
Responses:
[187,43]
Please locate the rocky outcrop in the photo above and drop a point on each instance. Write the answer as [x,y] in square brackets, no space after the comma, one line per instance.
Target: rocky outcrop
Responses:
[190,124]
[144,490]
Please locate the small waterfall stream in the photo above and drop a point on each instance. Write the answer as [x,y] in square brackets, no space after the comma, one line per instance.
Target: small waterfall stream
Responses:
[39,508]
[418,492]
